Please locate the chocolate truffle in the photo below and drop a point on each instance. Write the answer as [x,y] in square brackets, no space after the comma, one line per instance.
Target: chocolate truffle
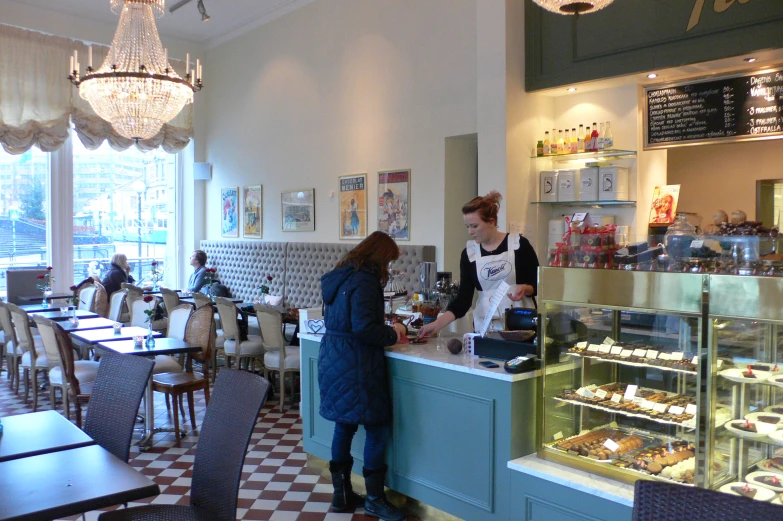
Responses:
[454,346]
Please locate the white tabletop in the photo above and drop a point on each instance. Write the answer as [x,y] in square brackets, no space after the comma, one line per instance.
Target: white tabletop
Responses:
[434,353]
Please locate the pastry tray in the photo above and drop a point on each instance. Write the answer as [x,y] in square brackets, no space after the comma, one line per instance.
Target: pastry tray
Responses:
[635,414]
[625,362]
[650,439]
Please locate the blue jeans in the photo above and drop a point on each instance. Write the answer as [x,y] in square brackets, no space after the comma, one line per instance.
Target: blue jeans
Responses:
[374,446]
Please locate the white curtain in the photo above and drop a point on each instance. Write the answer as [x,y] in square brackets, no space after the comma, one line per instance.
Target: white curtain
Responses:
[37,100]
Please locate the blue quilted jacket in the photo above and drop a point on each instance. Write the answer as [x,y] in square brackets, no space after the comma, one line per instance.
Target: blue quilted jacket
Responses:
[351,362]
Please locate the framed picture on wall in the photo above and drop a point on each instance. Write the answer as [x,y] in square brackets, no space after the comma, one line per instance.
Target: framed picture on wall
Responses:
[394,213]
[353,206]
[664,205]
[298,210]
[229,219]
[253,211]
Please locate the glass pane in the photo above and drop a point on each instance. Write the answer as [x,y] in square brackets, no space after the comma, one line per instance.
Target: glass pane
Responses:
[23,210]
[123,202]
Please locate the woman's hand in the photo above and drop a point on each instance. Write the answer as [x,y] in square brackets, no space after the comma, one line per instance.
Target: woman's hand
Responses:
[402,332]
[520,291]
[427,331]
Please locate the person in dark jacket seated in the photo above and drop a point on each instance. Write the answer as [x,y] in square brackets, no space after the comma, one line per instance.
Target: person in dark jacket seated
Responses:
[117,274]
[199,276]
[352,370]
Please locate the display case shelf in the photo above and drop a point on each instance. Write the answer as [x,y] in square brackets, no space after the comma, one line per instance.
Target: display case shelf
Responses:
[587,204]
[632,364]
[623,413]
[581,156]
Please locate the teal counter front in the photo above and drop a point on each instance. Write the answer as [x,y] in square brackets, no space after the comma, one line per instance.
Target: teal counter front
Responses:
[456,425]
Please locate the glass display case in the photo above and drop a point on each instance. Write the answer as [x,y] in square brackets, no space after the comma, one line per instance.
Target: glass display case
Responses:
[668,376]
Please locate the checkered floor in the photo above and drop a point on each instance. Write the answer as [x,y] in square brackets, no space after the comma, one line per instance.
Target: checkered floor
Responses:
[275,484]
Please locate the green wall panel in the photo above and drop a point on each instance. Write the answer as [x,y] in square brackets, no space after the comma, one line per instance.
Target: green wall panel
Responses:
[633,36]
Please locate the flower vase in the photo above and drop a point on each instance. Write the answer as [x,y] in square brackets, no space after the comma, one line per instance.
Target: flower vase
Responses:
[45,301]
[150,342]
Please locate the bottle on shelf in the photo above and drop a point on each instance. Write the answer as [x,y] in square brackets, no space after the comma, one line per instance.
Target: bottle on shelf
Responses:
[553,148]
[588,138]
[539,148]
[594,138]
[574,142]
[601,131]
[560,142]
[608,138]
[580,141]
[567,142]
[547,144]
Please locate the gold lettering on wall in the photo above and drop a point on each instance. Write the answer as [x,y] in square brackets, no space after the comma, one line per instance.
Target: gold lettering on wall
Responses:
[719,6]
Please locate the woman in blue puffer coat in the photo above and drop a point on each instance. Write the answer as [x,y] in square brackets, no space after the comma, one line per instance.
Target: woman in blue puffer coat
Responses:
[352,370]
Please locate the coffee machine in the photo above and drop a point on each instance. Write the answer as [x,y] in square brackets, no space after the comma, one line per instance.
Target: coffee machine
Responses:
[428,278]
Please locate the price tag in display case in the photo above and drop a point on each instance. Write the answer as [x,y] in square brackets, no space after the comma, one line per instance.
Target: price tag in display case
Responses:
[609,341]
[697,244]
[581,345]
[677,356]
[600,393]
[593,348]
[652,354]
[617,397]
[690,408]
[664,356]
[695,360]
[579,217]
[625,353]
[676,410]
[603,348]
[611,445]
[720,363]
[639,352]
[616,350]
[647,404]
[660,407]
[630,392]
[558,436]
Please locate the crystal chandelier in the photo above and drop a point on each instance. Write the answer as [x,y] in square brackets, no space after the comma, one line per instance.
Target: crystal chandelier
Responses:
[575,7]
[135,89]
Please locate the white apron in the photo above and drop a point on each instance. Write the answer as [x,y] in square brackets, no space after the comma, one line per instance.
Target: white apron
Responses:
[491,270]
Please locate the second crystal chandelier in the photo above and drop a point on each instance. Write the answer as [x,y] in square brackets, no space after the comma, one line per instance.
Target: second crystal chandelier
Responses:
[574,7]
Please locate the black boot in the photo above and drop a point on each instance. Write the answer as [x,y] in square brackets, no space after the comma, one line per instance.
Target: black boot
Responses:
[344,497]
[376,504]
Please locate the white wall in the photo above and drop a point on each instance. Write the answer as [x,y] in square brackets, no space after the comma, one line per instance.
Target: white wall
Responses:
[461,187]
[341,87]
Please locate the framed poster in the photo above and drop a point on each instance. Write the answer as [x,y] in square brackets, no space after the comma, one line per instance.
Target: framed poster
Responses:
[229,220]
[664,204]
[353,206]
[298,209]
[394,193]
[253,211]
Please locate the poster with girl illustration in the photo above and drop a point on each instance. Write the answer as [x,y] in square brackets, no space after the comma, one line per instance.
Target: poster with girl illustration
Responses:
[394,190]
[353,206]
[229,221]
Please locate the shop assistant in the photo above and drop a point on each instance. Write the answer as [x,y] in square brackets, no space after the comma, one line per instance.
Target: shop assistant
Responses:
[490,258]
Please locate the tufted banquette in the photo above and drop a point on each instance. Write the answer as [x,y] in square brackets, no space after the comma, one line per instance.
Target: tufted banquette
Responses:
[295,267]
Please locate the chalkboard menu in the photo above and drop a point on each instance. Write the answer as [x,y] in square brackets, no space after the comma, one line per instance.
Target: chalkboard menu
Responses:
[718,109]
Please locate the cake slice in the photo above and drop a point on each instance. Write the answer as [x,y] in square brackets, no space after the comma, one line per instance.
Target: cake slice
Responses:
[746,490]
[768,419]
[771,481]
[747,426]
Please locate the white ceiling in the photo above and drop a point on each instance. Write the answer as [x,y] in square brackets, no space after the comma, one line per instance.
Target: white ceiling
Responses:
[229,18]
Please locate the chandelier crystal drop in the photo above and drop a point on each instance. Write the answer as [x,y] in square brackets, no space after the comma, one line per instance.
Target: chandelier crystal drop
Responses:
[575,7]
[135,89]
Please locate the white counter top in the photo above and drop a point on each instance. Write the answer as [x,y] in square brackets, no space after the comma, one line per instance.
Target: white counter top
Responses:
[434,353]
[592,484]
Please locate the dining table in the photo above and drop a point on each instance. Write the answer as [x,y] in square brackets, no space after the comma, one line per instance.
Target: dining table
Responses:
[87,324]
[68,482]
[58,316]
[39,297]
[162,346]
[26,435]
[97,336]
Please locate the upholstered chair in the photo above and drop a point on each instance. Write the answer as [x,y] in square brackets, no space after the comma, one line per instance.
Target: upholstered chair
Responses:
[33,354]
[170,299]
[13,353]
[116,305]
[246,351]
[277,357]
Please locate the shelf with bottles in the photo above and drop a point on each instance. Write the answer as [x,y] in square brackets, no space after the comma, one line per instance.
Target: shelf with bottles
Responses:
[593,139]
[607,154]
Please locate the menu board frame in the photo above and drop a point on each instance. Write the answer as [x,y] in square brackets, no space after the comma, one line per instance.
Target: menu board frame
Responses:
[777,69]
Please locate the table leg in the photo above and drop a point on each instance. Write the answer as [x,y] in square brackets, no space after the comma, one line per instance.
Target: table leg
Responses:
[149,421]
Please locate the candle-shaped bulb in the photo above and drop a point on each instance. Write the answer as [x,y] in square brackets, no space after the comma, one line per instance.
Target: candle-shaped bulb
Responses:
[198,65]
[187,64]
[89,56]
[70,66]
[165,59]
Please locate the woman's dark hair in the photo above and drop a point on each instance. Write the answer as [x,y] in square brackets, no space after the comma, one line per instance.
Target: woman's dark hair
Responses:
[201,257]
[374,254]
[487,206]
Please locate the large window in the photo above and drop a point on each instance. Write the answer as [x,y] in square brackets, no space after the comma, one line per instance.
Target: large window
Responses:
[123,202]
[23,210]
